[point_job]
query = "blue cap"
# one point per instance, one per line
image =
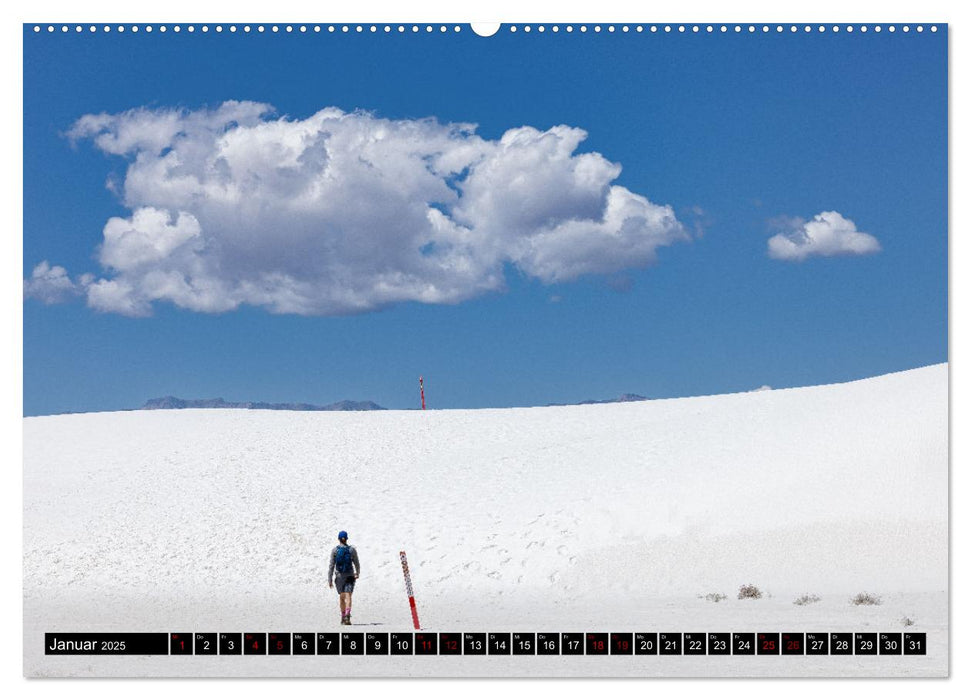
(342, 535)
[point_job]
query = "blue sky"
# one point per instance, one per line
(743, 137)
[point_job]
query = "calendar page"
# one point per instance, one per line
(561, 350)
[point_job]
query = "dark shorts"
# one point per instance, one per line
(344, 584)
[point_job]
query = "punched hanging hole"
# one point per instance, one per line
(485, 28)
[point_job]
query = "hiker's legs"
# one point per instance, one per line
(345, 599)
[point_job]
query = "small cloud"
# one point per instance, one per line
(827, 235)
(51, 284)
(556, 299)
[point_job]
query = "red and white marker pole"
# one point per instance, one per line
(410, 591)
(421, 386)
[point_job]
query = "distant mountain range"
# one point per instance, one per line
(174, 402)
(170, 402)
(623, 398)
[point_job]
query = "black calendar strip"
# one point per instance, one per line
(488, 643)
(107, 644)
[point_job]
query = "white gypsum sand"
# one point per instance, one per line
(617, 517)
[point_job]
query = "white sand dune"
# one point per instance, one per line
(613, 517)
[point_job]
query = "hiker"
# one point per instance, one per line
(345, 568)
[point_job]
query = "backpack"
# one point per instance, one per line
(342, 562)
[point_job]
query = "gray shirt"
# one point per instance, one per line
(355, 563)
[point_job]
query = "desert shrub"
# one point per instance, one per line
(715, 597)
(806, 599)
(865, 599)
(749, 591)
(907, 622)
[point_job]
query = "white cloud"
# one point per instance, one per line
(50, 284)
(828, 234)
(347, 212)
(117, 296)
(146, 239)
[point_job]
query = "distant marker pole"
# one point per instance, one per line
(421, 387)
(409, 590)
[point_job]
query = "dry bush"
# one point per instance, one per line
(715, 597)
(806, 599)
(865, 599)
(749, 591)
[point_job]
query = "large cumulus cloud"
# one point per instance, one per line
(344, 212)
